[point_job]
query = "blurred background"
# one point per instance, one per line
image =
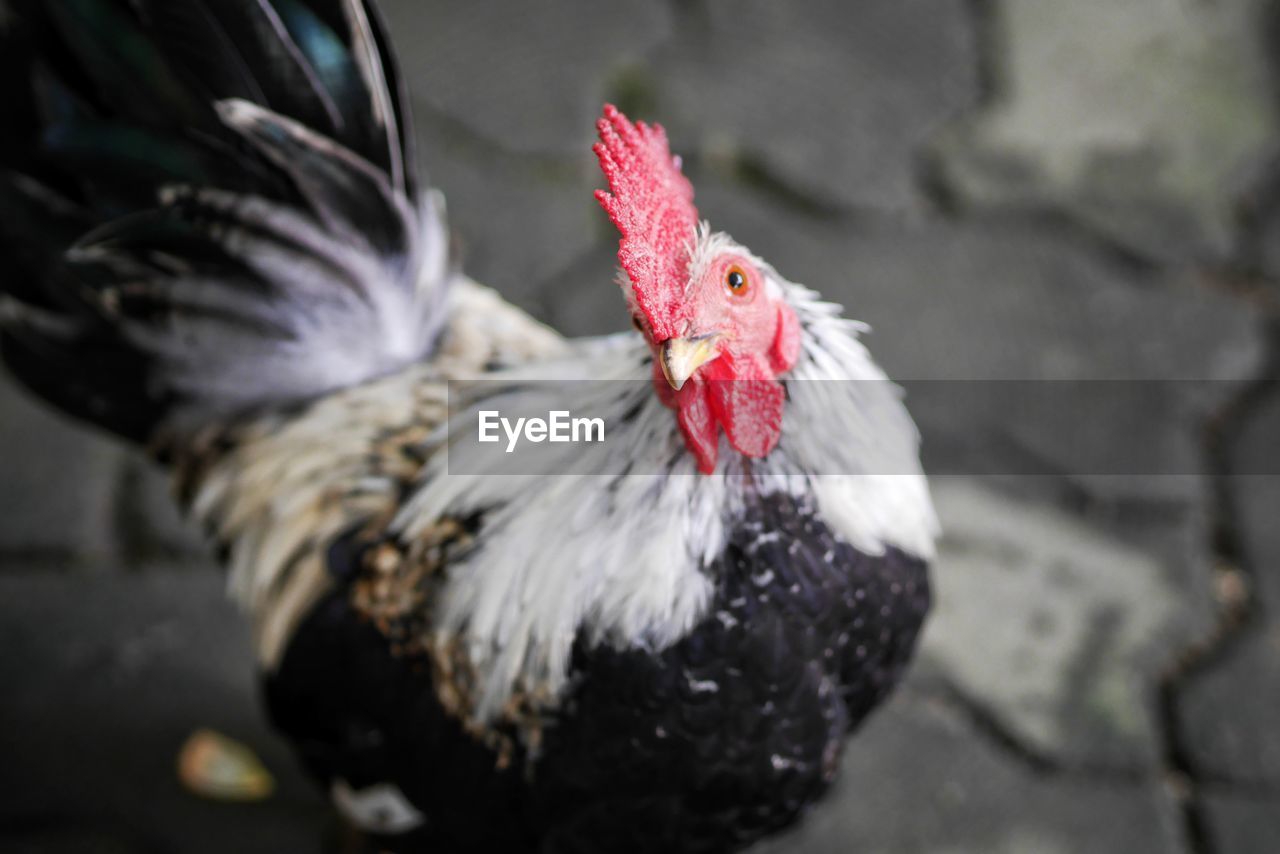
(1005, 190)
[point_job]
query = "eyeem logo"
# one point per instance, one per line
(558, 426)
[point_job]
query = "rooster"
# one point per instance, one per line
(217, 244)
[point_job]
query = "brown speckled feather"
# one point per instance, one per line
(276, 491)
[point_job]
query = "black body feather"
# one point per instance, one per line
(708, 745)
(207, 206)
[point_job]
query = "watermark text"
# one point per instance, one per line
(558, 426)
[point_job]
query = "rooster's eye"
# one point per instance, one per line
(737, 281)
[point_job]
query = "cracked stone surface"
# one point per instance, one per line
(1233, 711)
(838, 109)
(529, 77)
(1054, 628)
(1138, 117)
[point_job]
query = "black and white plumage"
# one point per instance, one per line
(216, 243)
(215, 203)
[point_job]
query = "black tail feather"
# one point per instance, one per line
(38, 225)
(128, 73)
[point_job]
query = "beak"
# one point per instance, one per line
(682, 356)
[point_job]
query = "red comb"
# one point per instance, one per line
(651, 203)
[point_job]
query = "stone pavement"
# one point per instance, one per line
(1003, 189)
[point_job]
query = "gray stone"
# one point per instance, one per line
(918, 779)
(834, 99)
(516, 220)
(1231, 711)
(584, 298)
(1138, 117)
(1056, 630)
(1242, 824)
(57, 478)
(151, 525)
(531, 78)
(104, 679)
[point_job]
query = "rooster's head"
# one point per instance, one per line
(713, 314)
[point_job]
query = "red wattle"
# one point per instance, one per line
(747, 402)
(697, 422)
